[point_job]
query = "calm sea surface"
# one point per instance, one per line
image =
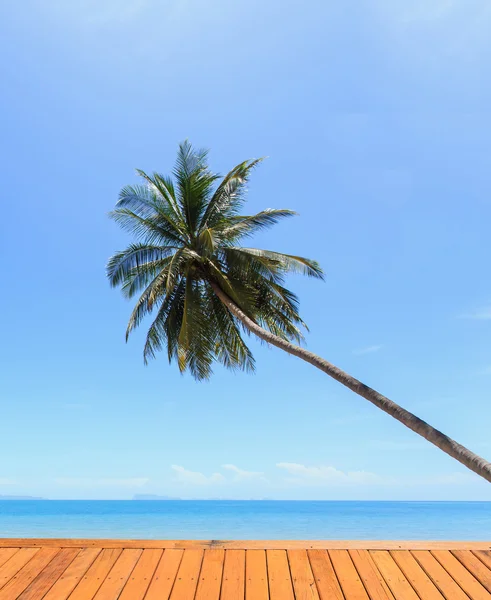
(246, 520)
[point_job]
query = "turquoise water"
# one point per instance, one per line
(246, 520)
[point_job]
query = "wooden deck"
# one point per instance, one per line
(258, 570)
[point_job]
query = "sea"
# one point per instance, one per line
(242, 520)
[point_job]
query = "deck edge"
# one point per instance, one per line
(249, 544)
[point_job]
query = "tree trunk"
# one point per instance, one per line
(451, 447)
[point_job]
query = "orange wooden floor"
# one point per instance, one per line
(262, 570)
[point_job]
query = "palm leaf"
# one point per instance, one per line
(288, 262)
(187, 231)
(229, 196)
(150, 230)
(247, 226)
(230, 349)
(194, 184)
(135, 257)
(148, 201)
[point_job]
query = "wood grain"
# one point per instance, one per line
(165, 575)
(210, 579)
(257, 587)
(45, 580)
(187, 576)
(73, 574)
(233, 578)
(372, 579)
(326, 581)
(177, 570)
(347, 575)
(280, 581)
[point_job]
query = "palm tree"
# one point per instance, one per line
(206, 289)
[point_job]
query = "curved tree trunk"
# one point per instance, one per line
(451, 447)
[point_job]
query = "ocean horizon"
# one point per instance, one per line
(246, 519)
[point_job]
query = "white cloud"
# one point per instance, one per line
(195, 477)
(326, 475)
(330, 477)
(241, 475)
(101, 482)
(482, 314)
(368, 350)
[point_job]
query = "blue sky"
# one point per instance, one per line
(375, 118)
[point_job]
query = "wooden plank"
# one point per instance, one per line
(373, 581)
(163, 580)
(302, 576)
(351, 584)
(256, 587)
(45, 580)
(210, 578)
(483, 556)
(187, 575)
(327, 583)
(461, 575)
(233, 579)
(93, 578)
(394, 577)
(15, 564)
(440, 577)
(118, 575)
(137, 585)
(71, 577)
(6, 554)
(25, 576)
(279, 577)
(413, 572)
(247, 544)
(475, 566)
(68, 573)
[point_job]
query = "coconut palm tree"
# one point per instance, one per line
(206, 289)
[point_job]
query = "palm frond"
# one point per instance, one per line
(181, 262)
(152, 296)
(288, 262)
(196, 341)
(244, 265)
(163, 189)
(150, 230)
(134, 257)
(194, 184)
(207, 242)
(230, 348)
(139, 278)
(237, 227)
(148, 201)
(229, 196)
(238, 290)
(165, 328)
(187, 232)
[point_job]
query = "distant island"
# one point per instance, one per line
(212, 499)
(153, 497)
(21, 498)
